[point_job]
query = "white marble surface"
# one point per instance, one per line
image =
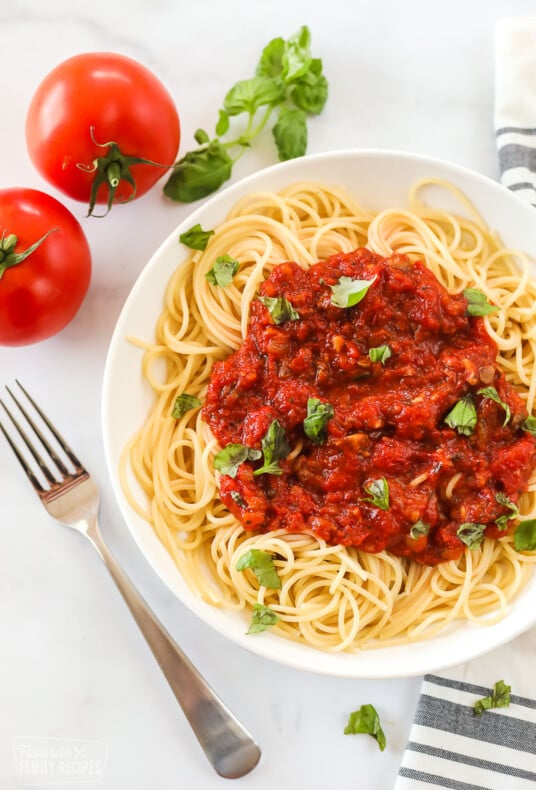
(416, 76)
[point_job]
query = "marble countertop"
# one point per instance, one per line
(416, 76)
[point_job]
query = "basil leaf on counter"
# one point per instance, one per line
(419, 529)
(223, 271)
(310, 92)
(525, 535)
(380, 354)
(492, 394)
(477, 303)
(290, 133)
(462, 416)
(379, 493)
(502, 521)
(296, 58)
(471, 534)
(262, 618)
(366, 720)
(248, 95)
(271, 61)
(279, 308)
(184, 403)
(199, 173)
(348, 292)
(229, 459)
(499, 698)
(318, 415)
(274, 447)
(196, 238)
(262, 565)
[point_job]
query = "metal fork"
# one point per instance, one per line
(72, 498)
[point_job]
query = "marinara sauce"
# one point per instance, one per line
(388, 425)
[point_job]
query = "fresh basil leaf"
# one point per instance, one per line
(223, 271)
(477, 303)
(271, 62)
(279, 308)
(499, 698)
(201, 137)
(530, 425)
(184, 403)
(262, 618)
(248, 95)
(348, 292)
(318, 415)
(229, 459)
(290, 133)
(262, 565)
(296, 59)
(199, 173)
(525, 535)
(366, 720)
(196, 238)
(275, 447)
(237, 499)
(222, 126)
(419, 529)
(380, 353)
(310, 92)
(379, 493)
(462, 416)
(492, 394)
(502, 521)
(471, 534)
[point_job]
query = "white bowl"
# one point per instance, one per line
(377, 179)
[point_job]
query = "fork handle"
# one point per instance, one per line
(228, 745)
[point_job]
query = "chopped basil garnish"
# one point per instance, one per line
(471, 534)
(380, 353)
(462, 416)
(274, 447)
(499, 698)
(262, 565)
(348, 292)
(366, 720)
(318, 414)
(525, 535)
(502, 521)
(492, 394)
(196, 238)
(477, 303)
(223, 271)
(229, 459)
(530, 425)
(237, 499)
(379, 493)
(262, 618)
(279, 308)
(184, 403)
(419, 529)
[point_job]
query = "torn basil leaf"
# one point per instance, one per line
(379, 493)
(279, 308)
(502, 521)
(462, 416)
(492, 394)
(525, 535)
(380, 354)
(274, 448)
(530, 425)
(366, 720)
(318, 415)
(419, 529)
(262, 618)
(184, 403)
(499, 698)
(229, 459)
(348, 292)
(471, 534)
(262, 565)
(196, 238)
(223, 271)
(237, 499)
(477, 303)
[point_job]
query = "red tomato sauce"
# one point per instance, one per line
(389, 418)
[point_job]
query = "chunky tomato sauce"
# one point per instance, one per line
(388, 419)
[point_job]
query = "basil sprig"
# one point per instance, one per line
(318, 416)
(223, 271)
(348, 292)
(287, 77)
(462, 416)
(196, 238)
(184, 403)
(379, 493)
(525, 535)
(477, 303)
(471, 534)
(275, 447)
(492, 394)
(262, 565)
(366, 720)
(279, 308)
(232, 456)
(262, 618)
(499, 698)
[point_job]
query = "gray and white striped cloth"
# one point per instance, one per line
(449, 746)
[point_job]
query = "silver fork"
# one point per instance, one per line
(72, 498)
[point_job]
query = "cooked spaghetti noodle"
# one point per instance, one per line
(332, 598)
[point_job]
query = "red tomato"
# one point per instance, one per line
(42, 293)
(95, 121)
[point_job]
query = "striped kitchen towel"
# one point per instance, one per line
(451, 747)
(515, 104)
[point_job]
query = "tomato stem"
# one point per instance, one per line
(8, 256)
